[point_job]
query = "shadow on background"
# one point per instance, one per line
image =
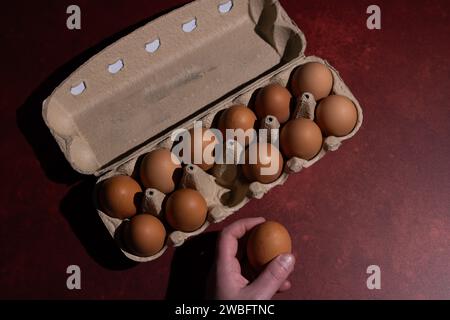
(191, 266)
(29, 115)
(79, 210)
(77, 206)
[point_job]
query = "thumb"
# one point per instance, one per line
(272, 277)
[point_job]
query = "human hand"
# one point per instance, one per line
(228, 280)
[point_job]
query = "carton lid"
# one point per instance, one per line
(165, 72)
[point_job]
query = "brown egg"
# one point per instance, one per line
(313, 77)
(146, 235)
(301, 138)
(267, 241)
(237, 117)
(203, 144)
(186, 210)
(159, 171)
(336, 116)
(118, 196)
(274, 100)
(268, 166)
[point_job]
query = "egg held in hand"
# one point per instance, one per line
(267, 241)
(119, 196)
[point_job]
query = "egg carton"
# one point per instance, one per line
(186, 66)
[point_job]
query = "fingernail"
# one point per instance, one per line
(287, 260)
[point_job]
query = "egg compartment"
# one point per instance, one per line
(212, 184)
(105, 122)
(304, 107)
(152, 203)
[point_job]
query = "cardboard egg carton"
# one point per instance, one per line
(185, 66)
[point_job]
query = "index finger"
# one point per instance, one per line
(228, 239)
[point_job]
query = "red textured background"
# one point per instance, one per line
(383, 198)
